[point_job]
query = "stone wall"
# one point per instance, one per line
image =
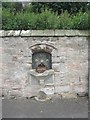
(69, 61)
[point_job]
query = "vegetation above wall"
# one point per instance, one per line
(42, 16)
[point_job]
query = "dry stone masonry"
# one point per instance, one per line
(68, 74)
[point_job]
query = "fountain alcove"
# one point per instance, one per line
(41, 76)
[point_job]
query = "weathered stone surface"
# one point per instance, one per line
(82, 94)
(83, 33)
(25, 33)
(71, 32)
(59, 33)
(79, 88)
(29, 90)
(48, 33)
(62, 89)
(55, 67)
(49, 90)
(61, 79)
(41, 95)
(69, 95)
(1, 33)
(16, 93)
(8, 33)
(52, 33)
(69, 62)
(56, 96)
(37, 33)
(16, 33)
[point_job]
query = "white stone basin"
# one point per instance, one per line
(42, 77)
(46, 73)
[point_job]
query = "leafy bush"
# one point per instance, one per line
(44, 20)
(81, 21)
(71, 7)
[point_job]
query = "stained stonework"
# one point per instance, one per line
(69, 62)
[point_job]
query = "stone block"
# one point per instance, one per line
(55, 67)
(78, 88)
(69, 95)
(8, 33)
(48, 33)
(1, 33)
(61, 80)
(28, 65)
(83, 33)
(55, 59)
(16, 33)
(82, 94)
(71, 33)
(62, 89)
(15, 93)
(49, 90)
(63, 59)
(57, 80)
(25, 33)
(59, 33)
(37, 33)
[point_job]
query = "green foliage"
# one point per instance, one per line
(13, 7)
(59, 7)
(46, 19)
(81, 21)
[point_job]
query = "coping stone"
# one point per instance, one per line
(46, 33)
(25, 33)
(1, 33)
(71, 32)
(16, 33)
(9, 33)
(83, 33)
(49, 32)
(59, 33)
(37, 33)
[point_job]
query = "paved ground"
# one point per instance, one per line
(0, 108)
(28, 108)
(89, 108)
